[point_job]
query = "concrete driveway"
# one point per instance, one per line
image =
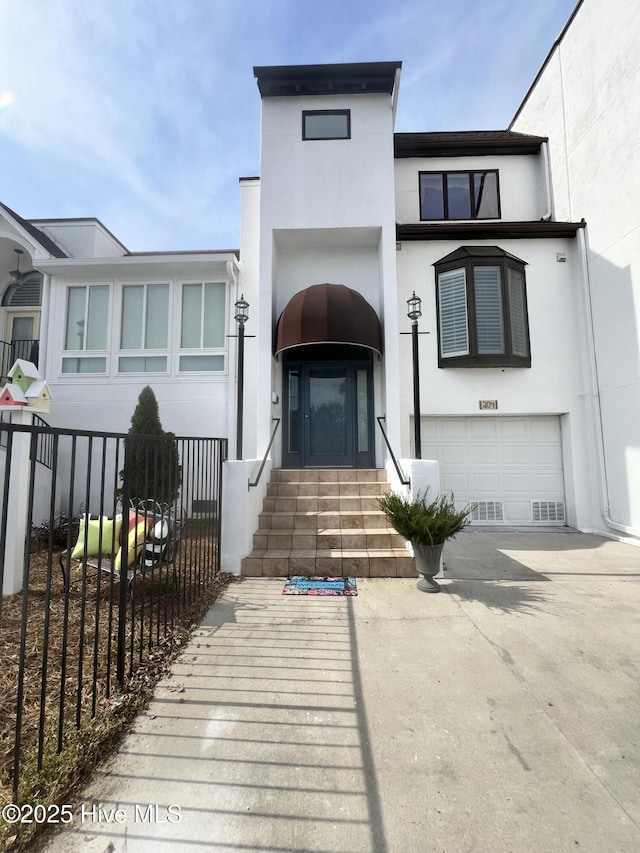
(500, 715)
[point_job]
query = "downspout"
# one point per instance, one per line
(547, 181)
(597, 403)
(43, 336)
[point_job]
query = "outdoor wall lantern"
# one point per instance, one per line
(241, 316)
(414, 312)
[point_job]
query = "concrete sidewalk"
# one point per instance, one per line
(500, 715)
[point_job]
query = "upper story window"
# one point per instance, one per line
(326, 124)
(144, 326)
(482, 309)
(459, 195)
(86, 328)
(203, 326)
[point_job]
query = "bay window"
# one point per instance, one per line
(482, 309)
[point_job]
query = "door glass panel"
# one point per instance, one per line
(362, 411)
(22, 329)
(328, 412)
(294, 408)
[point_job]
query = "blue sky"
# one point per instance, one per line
(145, 113)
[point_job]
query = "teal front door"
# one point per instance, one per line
(328, 414)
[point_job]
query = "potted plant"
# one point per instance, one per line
(427, 525)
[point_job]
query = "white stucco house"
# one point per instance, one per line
(525, 262)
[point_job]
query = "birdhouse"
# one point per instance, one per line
(24, 373)
(38, 395)
(12, 395)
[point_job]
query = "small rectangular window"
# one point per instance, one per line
(326, 124)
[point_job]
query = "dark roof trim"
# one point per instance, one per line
(487, 230)
(45, 241)
(351, 78)
(464, 253)
(546, 62)
(465, 143)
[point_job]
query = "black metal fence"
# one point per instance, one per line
(125, 541)
(28, 350)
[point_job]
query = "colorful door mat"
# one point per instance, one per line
(320, 586)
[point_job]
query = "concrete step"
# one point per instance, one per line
(345, 503)
(320, 520)
(328, 475)
(328, 538)
(350, 563)
(326, 490)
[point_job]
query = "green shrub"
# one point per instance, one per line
(422, 523)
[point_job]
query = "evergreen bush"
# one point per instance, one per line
(155, 470)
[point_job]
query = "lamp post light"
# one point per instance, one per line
(241, 317)
(414, 312)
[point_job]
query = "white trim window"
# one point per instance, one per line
(144, 328)
(86, 329)
(202, 327)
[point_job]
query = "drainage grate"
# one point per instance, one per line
(547, 511)
(487, 511)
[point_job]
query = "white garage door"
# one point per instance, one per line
(509, 468)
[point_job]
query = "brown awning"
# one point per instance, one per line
(328, 313)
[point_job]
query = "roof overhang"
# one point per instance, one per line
(487, 230)
(328, 314)
(465, 143)
(351, 78)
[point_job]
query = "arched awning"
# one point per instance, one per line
(328, 313)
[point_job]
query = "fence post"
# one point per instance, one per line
(18, 503)
(124, 565)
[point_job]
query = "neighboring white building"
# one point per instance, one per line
(586, 99)
(346, 221)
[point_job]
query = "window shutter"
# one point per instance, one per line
(517, 312)
(452, 301)
(489, 314)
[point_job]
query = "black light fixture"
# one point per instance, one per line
(414, 312)
(241, 316)
(414, 308)
(18, 277)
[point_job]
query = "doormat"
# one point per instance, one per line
(319, 586)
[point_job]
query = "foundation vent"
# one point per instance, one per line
(488, 511)
(548, 511)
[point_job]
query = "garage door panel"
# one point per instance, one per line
(510, 460)
(487, 482)
(485, 428)
(545, 429)
(456, 483)
(513, 454)
(512, 429)
(483, 454)
(510, 484)
(545, 454)
(547, 486)
(455, 454)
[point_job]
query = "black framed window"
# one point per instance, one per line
(481, 303)
(326, 124)
(459, 195)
